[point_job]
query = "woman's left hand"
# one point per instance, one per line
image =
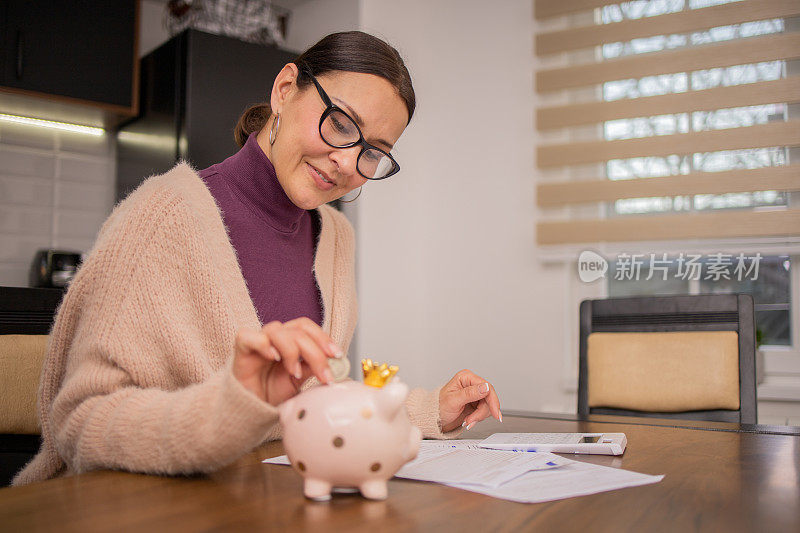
(467, 399)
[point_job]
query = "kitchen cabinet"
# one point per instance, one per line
(76, 51)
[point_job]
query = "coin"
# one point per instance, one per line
(340, 368)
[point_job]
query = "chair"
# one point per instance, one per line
(26, 316)
(685, 357)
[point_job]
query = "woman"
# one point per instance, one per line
(210, 298)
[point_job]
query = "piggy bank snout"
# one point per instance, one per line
(414, 438)
(390, 399)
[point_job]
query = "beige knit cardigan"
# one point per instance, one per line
(138, 369)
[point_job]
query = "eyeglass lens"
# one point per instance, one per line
(340, 131)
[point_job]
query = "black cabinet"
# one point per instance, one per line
(193, 90)
(77, 49)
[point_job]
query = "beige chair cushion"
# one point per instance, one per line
(664, 371)
(21, 359)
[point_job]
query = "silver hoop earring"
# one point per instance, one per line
(354, 199)
(273, 131)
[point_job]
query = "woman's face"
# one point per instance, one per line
(299, 154)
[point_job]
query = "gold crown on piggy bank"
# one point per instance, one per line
(377, 375)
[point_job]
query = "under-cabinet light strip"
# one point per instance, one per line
(66, 126)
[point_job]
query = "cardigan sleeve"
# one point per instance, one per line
(423, 409)
(104, 421)
(146, 336)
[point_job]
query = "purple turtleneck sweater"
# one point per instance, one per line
(275, 240)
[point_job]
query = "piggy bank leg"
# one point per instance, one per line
(374, 489)
(317, 490)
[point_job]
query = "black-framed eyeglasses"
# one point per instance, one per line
(339, 130)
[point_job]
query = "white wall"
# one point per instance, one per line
(448, 273)
(314, 19)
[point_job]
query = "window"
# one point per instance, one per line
(674, 114)
(629, 128)
(670, 126)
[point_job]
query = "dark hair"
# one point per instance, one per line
(349, 51)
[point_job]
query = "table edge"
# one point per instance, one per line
(700, 425)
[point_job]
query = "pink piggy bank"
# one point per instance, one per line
(348, 436)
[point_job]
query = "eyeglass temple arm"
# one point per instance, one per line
(320, 90)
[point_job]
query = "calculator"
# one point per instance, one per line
(591, 443)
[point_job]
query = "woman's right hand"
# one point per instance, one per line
(273, 362)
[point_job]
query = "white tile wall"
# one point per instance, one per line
(56, 189)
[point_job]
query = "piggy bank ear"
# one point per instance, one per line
(285, 409)
(390, 399)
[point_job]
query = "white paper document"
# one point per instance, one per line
(489, 468)
(457, 444)
(574, 479)
(279, 460)
(525, 477)
(466, 463)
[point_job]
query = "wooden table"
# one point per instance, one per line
(719, 477)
